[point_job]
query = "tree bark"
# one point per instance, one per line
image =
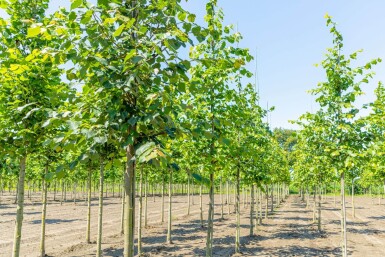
(100, 215)
(169, 241)
(252, 210)
(88, 231)
(20, 206)
(140, 212)
(343, 217)
(210, 220)
(43, 213)
(237, 212)
(129, 211)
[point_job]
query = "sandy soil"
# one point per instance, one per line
(288, 232)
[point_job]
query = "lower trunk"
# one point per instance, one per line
(162, 214)
(140, 213)
(252, 210)
(188, 194)
(122, 216)
(210, 219)
(221, 193)
(267, 202)
(169, 241)
(145, 201)
(43, 214)
(343, 217)
(100, 215)
(314, 203)
(19, 211)
(88, 231)
(353, 207)
(201, 205)
(129, 205)
(228, 197)
(319, 211)
(237, 212)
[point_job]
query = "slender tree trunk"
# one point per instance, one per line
(169, 241)
(100, 215)
(188, 193)
(314, 203)
(210, 220)
(201, 205)
(343, 217)
(20, 206)
(221, 193)
(74, 193)
(228, 197)
(335, 193)
(54, 191)
(145, 200)
(162, 218)
(319, 211)
(252, 210)
(43, 213)
(353, 207)
(129, 211)
(272, 199)
(88, 231)
(140, 213)
(267, 202)
(122, 216)
(237, 212)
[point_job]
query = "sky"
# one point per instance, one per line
(289, 37)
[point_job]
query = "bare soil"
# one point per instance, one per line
(288, 232)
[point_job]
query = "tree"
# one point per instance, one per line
(30, 86)
(342, 137)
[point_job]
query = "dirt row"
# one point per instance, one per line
(288, 232)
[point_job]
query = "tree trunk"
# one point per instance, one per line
(237, 212)
(353, 207)
(319, 211)
(122, 216)
(162, 215)
(210, 219)
(228, 197)
(88, 231)
(20, 206)
(188, 193)
(314, 203)
(43, 213)
(252, 210)
(169, 241)
(140, 213)
(221, 193)
(201, 205)
(129, 211)
(145, 200)
(267, 202)
(343, 217)
(335, 193)
(100, 215)
(272, 199)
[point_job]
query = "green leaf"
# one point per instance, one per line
(119, 30)
(130, 55)
(182, 16)
(33, 32)
(76, 4)
(191, 17)
(202, 180)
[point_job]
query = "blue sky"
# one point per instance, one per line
(291, 36)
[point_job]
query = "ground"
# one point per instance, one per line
(288, 232)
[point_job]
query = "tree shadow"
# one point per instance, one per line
(53, 221)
